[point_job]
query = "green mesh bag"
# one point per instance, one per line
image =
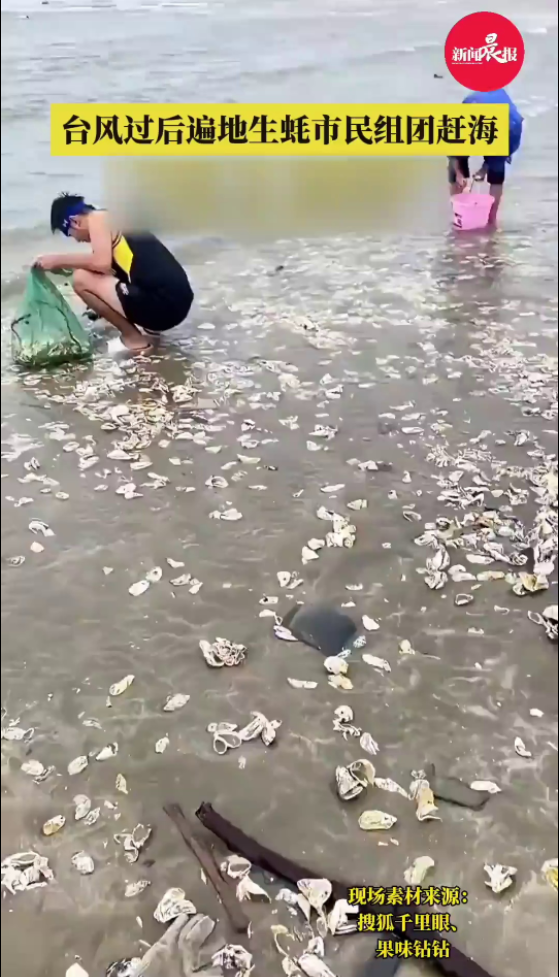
(46, 332)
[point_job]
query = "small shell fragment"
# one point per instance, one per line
(500, 877)
(370, 624)
(175, 701)
(83, 863)
(415, 874)
(462, 600)
(317, 892)
(162, 744)
(486, 785)
(247, 890)
(313, 966)
(369, 744)
(521, 749)
(376, 821)
(53, 825)
(297, 683)
(119, 687)
(154, 575)
(139, 588)
(108, 751)
(78, 765)
(379, 663)
(385, 783)
(340, 682)
(121, 784)
(82, 806)
(136, 888)
(405, 647)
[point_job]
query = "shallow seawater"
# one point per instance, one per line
(408, 348)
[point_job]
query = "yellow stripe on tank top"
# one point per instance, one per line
(123, 255)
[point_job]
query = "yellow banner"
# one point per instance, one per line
(279, 130)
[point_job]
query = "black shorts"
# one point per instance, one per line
(496, 166)
(153, 310)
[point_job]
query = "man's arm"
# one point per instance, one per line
(99, 260)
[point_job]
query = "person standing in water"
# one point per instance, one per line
(132, 280)
(494, 167)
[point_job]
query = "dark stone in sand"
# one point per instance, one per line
(385, 426)
(320, 626)
(454, 791)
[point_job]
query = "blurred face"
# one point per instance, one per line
(79, 228)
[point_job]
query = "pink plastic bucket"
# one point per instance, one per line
(471, 210)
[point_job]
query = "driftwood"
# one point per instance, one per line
(227, 896)
(457, 965)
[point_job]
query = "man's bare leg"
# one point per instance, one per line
(497, 194)
(99, 294)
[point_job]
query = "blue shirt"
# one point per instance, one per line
(501, 97)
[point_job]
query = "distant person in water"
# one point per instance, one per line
(494, 167)
(131, 279)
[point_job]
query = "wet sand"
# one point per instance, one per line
(448, 335)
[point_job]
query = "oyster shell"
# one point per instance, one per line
(376, 821)
(348, 786)
(83, 806)
(174, 903)
(415, 874)
(83, 863)
(136, 888)
(78, 765)
(119, 687)
(175, 701)
(500, 877)
(53, 825)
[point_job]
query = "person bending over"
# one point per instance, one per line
(132, 280)
(493, 169)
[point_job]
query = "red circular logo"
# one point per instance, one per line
(484, 51)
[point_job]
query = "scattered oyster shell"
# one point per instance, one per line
(370, 624)
(348, 786)
(421, 793)
(25, 870)
(550, 872)
(78, 765)
(385, 783)
(486, 785)
(297, 683)
(379, 663)
(415, 874)
(222, 653)
(521, 749)
(500, 877)
(162, 744)
(121, 784)
(92, 817)
(340, 682)
(462, 600)
(38, 526)
(108, 751)
(53, 825)
(336, 665)
(174, 903)
(376, 821)
(119, 687)
(317, 892)
(154, 575)
(34, 768)
(124, 968)
(232, 957)
(83, 863)
(82, 806)
(175, 701)
(136, 888)
(369, 744)
(235, 866)
(247, 890)
(405, 647)
(139, 588)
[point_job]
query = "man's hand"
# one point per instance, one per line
(481, 174)
(47, 262)
(461, 180)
